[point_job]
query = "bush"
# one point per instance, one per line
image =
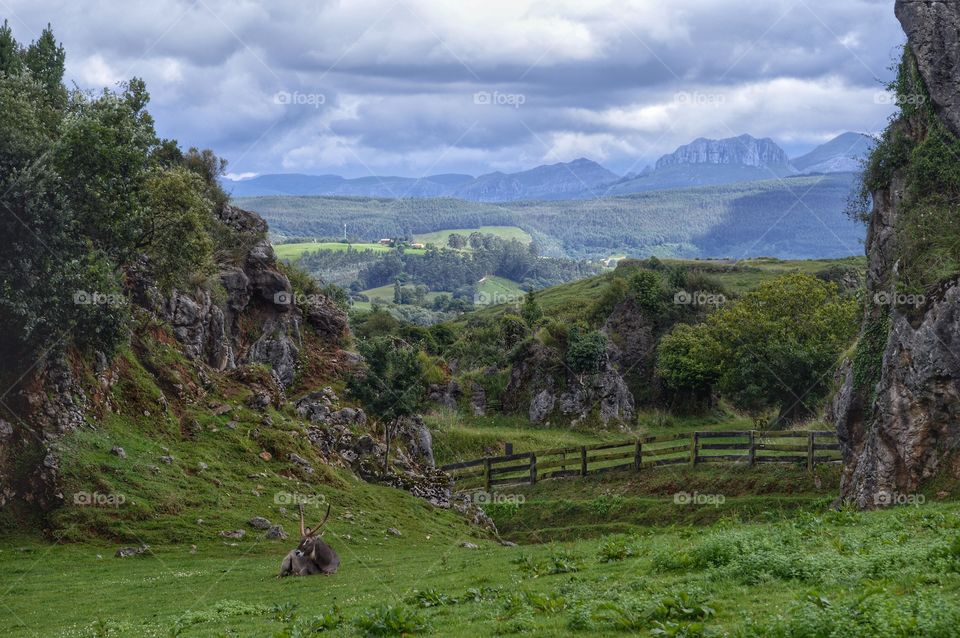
(586, 351)
(769, 349)
(615, 549)
(389, 620)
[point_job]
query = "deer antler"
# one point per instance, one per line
(316, 529)
(303, 531)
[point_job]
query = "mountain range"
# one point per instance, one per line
(702, 162)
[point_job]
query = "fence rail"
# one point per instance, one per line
(748, 447)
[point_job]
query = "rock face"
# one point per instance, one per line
(916, 411)
(933, 32)
(258, 321)
(904, 429)
(56, 403)
(214, 332)
(543, 387)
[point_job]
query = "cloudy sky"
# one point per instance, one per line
(415, 87)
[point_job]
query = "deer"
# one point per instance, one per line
(312, 555)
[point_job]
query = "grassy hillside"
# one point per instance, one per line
(795, 217)
(492, 290)
(573, 300)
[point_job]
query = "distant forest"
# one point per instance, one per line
(790, 218)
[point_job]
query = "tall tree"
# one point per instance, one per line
(393, 386)
(45, 60)
(11, 55)
(531, 311)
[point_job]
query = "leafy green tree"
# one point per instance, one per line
(686, 362)
(397, 293)
(174, 229)
(456, 241)
(512, 329)
(476, 240)
(103, 156)
(87, 190)
(531, 310)
(45, 59)
(393, 385)
(774, 348)
(648, 290)
(586, 351)
(210, 168)
(11, 54)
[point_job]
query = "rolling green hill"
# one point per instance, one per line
(571, 301)
(789, 218)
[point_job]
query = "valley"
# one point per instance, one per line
(790, 218)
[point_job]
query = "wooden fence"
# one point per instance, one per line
(691, 448)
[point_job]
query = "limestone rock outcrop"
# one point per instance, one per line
(904, 429)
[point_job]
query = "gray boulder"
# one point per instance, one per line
(259, 522)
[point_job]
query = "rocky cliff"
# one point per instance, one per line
(744, 150)
(898, 396)
(253, 317)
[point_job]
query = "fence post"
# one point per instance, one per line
(533, 468)
(583, 460)
(810, 458)
(753, 447)
(508, 448)
(694, 441)
(637, 455)
(486, 474)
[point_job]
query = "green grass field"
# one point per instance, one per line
(462, 438)
(296, 250)
(493, 290)
(440, 237)
(787, 572)
(384, 294)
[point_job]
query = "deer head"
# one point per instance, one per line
(309, 541)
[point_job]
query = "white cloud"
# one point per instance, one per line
(620, 81)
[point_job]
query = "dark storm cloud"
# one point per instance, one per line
(392, 86)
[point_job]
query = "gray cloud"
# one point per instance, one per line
(389, 86)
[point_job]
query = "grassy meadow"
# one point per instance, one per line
(440, 237)
(756, 566)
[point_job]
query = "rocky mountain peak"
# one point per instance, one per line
(744, 150)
